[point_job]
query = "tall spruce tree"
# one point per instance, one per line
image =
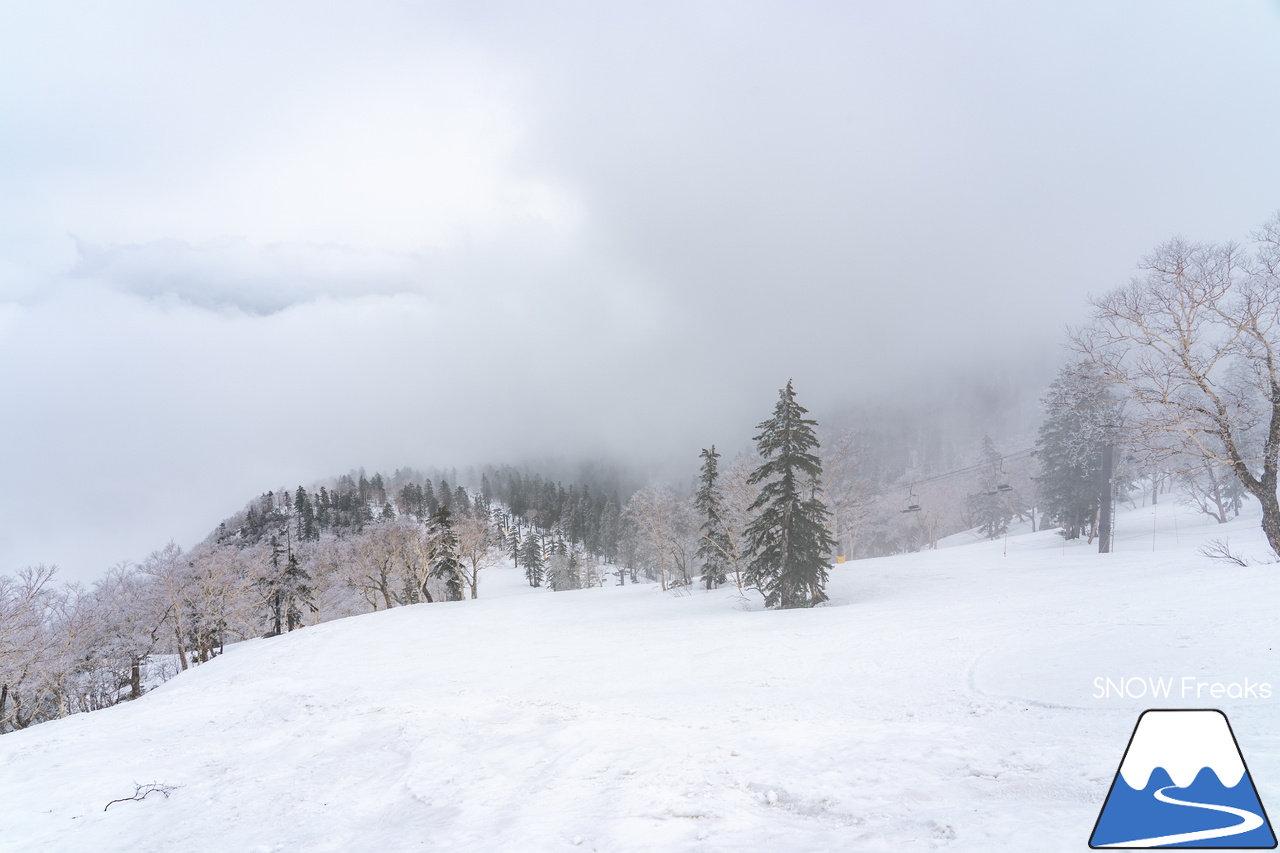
(1080, 414)
(713, 543)
(305, 515)
(531, 554)
(285, 591)
(297, 592)
(989, 507)
(788, 542)
(445, 565)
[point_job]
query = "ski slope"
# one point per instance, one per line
(942, 701)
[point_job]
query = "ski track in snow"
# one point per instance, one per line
(942, 701)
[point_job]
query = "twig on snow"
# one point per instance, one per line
(140, 792)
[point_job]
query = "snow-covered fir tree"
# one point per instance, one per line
(286, 587)
(445, 565)
(531, 556)
(788, 542)
(1080, 417)
(305, 517)
(713, 543)
(988, 507)
(564, 571)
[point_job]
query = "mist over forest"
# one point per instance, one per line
(245, 246)
(638, 426)
(307, 313)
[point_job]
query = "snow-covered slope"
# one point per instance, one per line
(944, 700)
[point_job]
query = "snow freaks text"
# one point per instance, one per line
(1175, 687)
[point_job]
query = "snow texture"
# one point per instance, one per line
(940, 701)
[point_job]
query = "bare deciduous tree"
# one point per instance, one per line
(665, 534)
(171, 574)
(477, 546)
(739, 494)
(847, 494)
(1209, 487)
(369, 564)
(1193, 343)
(24, 602)
(221, 598)
(130, 618)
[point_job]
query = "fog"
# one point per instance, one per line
(244, 247)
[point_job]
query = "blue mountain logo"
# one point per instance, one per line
(1183, 783)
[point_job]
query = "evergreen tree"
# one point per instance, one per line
(531, 554)
(513, 542)
(445, 565)
(564, 571)
(713, 544)
(409, 500)
(297, 592)
(517, 499)
(989, 506)
(273, 596)
(1080, 413)
(286, 591)
(323, 508)
(788, 542)
(305, 516)
(610, 530)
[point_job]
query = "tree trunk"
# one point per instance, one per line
(1104, 501)
(18, 721)
(135, 678)
(1270, 519)
(384, 586)
(182, 647)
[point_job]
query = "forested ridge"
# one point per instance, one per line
(361, 542)
(1173, 385)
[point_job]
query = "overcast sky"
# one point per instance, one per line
(248, 244)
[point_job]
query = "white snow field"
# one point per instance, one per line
(943, 700)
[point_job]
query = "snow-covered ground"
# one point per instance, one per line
(944, 700)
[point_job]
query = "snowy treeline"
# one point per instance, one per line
(1175, 380)
(359, 544)
(288, 560)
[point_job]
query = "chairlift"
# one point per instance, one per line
(912, 497)
(1002, 486)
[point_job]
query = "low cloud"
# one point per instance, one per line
(235, 274)
(311, 237)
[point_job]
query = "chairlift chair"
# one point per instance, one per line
(1003, 486)
(912, 497)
